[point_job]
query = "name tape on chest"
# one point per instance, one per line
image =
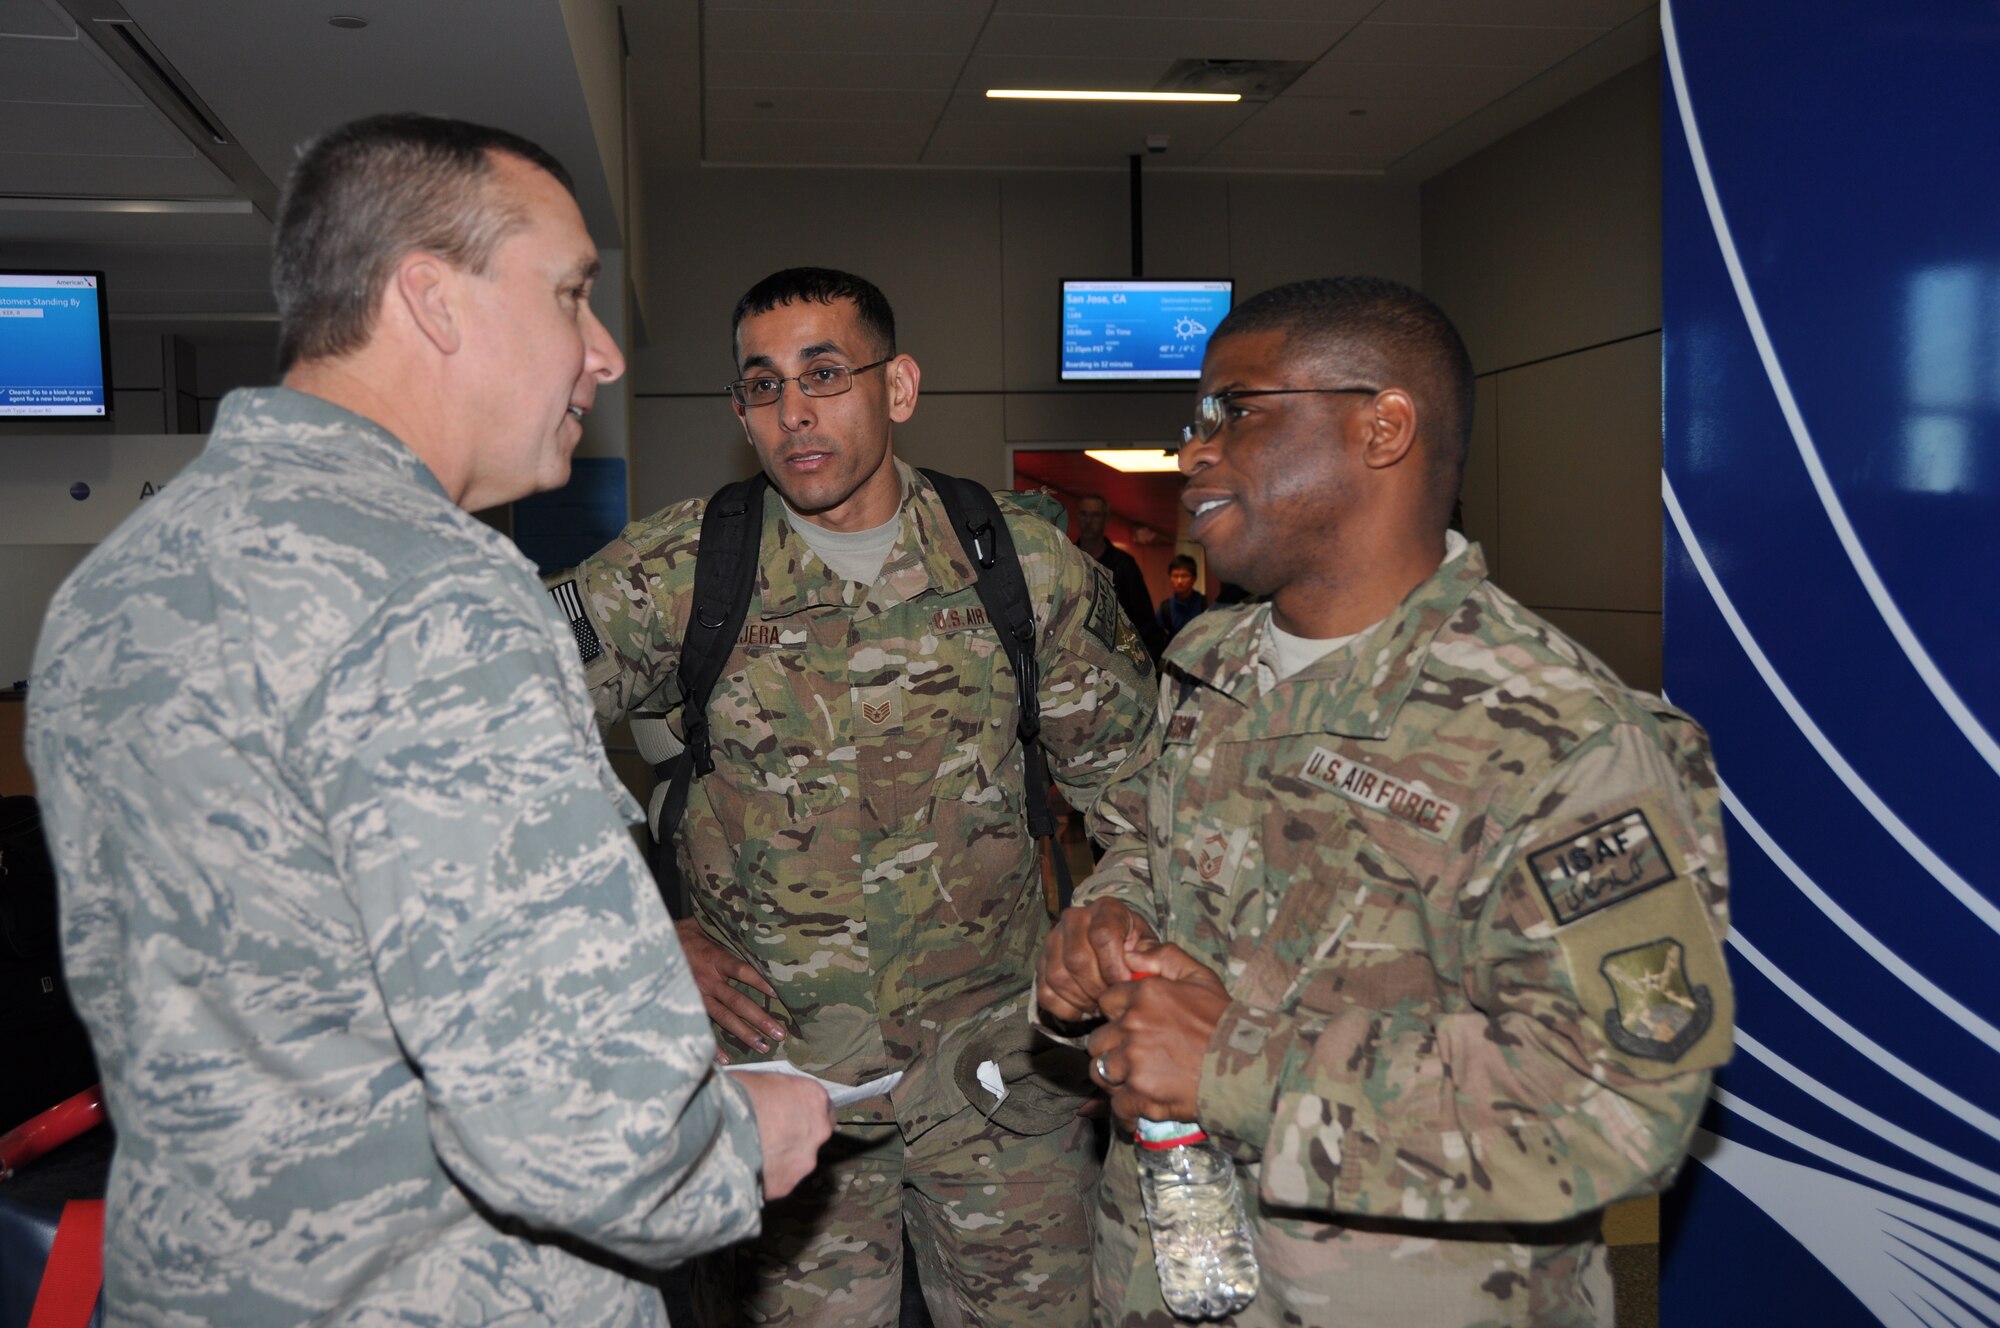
(1381, 792)
(1605, 863)
(768, 635)
(960, 619)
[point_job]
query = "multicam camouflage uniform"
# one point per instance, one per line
(1467, 892)
(385, 1000)
(863, 842)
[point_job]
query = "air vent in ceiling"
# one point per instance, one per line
(1255, 80)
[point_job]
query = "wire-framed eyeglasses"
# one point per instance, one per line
(828, 380)
(1213, 415)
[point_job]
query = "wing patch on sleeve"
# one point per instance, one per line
(569, 603)
(1657, 1011)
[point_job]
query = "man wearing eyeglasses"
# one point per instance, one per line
(1430, 905)
(866, 896)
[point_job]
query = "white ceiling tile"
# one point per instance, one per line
(1387, 131)
(815, 32)
(112, 177)
(59, 71)
(792, 103)
(1373, 43)
(1063, 71)
(1480, 83)
(859, 71)
(1600, 14)
(817, 142)
(34, 18)
(90, 131)
(1325, 112)
(1161, 38)
(1204, 120)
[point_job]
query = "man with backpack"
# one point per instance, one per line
(900, 659)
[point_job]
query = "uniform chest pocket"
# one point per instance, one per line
(774, 734)
(1384, 942)
(935, 725)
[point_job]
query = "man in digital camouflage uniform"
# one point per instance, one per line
(1434, 903)
(391, 1020)
(866, 895)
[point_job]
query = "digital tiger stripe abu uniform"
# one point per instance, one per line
(393, 1027)
(1447, 896)
(861, 843)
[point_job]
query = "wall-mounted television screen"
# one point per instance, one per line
(55, 344)
(1134, 328)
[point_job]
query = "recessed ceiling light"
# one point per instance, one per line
(1134, 460)
(1083, 94)
(348, 21)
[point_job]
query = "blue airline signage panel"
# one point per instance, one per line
(1832, 462)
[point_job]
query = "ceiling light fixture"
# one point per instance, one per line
(347, 21)
(1135, 460)
(1081, 94)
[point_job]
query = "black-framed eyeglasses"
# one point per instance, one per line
(1213, 415)
(829, 380)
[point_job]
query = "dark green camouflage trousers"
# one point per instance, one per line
(1000, 1224)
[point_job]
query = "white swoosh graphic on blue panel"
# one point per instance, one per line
(1961, 890)
(1913, 649)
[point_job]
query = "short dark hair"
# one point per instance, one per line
(1183, 562)
(362, 196)
(822, 285)
(1378, 326)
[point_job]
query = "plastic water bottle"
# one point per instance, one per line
(1201, 1240)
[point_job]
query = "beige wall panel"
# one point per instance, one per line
(1579, 487)
(959, 435)
(1549, 240)
(931, 242)
(1628, 642)
(1056, 225)
(1187, 222)
(1479, 494)
(1287, 227)
(1096, 416)
(684, 447)
(34, 571)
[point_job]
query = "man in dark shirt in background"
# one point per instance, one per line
(1126, 578)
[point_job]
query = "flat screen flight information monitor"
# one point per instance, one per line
(55, 345)
(1134, 328)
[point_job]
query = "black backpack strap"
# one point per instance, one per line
(725, 576)
(1003, 590)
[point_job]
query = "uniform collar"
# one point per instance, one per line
(925, 557)
(1355, 692)
(268, 416)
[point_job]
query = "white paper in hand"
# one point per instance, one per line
(841, 1095)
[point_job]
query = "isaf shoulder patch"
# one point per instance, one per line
(569, 603)
(1610, 861)
(1656, 1012)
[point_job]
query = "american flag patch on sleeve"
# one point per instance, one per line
(569, 603)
